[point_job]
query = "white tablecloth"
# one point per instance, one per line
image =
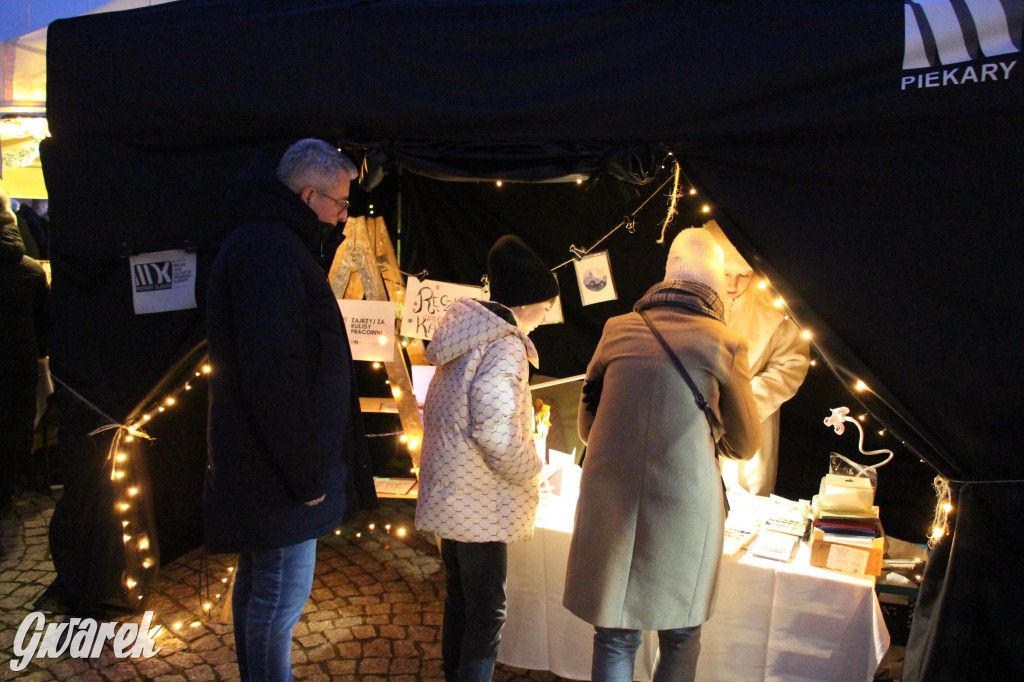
(772, 621)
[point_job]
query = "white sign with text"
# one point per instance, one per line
(163, 281)
(371, 328)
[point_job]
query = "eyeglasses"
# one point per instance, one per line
(342, 204)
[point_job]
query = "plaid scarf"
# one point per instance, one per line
(694, 297)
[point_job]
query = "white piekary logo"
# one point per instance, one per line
(82, 638)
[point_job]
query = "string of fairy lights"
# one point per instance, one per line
(133, 504)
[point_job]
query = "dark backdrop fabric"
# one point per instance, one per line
(886, 207)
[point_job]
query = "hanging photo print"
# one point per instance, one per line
(426, 303)
(163, 281)
(594, 274)
(371, 328)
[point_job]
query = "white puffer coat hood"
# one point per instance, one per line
(479, 467)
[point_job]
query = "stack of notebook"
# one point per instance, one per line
(848, 526)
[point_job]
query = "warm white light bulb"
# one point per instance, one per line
(382, 339)
(860, 386)
(947, 507)
(498, 183)
(170, 400)
(806, 334)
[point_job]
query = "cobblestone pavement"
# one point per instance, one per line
(374, 614)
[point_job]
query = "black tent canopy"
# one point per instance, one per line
(868, 156)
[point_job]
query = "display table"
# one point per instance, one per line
(773, 621)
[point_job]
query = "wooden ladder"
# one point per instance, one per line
(365, 266)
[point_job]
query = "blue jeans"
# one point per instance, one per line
(474, 608)
(271, 589)
(615, 654)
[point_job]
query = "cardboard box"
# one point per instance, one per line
(847, 558)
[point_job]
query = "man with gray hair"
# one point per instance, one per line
(287, 456)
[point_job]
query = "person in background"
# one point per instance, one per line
(479, 468)
(648, 534)
(24, 343)
(34, 214)
(31, 248)
(779, 360)
(287, 459)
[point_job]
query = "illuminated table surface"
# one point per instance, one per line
(773, 621)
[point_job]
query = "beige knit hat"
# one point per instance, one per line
(695, 256)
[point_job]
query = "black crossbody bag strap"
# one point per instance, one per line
(713, 422)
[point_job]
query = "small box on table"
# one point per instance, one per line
(858, 558)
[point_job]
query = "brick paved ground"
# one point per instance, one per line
(375, 612)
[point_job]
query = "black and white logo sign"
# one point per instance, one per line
(958, 42)
(163, 281)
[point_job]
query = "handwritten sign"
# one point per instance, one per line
(163, 281)
(371, 329)
(426, 303)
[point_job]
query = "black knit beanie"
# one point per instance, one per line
(517, 275)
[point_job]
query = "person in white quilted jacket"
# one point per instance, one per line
(479, 469)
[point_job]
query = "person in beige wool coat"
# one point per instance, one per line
(648, 534)
(479, 468)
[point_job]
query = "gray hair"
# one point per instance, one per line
(313, 163)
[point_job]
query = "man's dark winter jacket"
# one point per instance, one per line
(285, 425)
